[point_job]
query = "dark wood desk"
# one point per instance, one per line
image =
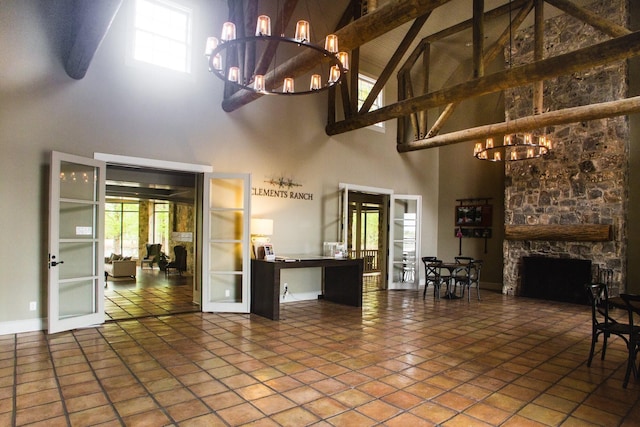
(341, 282)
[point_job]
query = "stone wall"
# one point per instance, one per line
(584, 179)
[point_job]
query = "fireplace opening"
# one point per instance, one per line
(556, 279)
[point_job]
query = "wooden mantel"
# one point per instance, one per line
(560, 232)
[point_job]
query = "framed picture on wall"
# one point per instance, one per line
(474, 215)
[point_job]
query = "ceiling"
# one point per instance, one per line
(135, 183)
(456, 48)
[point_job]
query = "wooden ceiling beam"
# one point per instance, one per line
(611, 50)
(355, 34)
(92, 20)
(602, 110)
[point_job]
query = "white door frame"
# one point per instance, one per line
(116, 159)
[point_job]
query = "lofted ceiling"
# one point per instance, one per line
(80, 25)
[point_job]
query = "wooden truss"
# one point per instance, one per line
(92, 20)
(411, 108)
(414, 100)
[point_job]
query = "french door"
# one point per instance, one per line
(226, 255)
(76, 233)
(404, 257)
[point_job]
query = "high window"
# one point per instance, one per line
(121, 229)
(162, 34)
(365, 85)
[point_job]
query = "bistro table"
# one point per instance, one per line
(618, 302)
(451, 267)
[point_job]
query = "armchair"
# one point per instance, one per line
(153, 255)
(179, 262)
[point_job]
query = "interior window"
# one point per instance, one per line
(162, 34)
(365, 84)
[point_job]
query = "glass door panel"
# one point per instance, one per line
(227, 251)
(405, 249)
(76, 274)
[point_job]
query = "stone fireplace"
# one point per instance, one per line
(584, 179)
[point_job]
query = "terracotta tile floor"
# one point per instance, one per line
(398, 361)
(150, 293)
(123, 304)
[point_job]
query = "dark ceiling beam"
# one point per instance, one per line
(353, 35)
(92, 20)
(609, 51)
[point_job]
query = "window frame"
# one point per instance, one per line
(175, 6)
(123, 215)
(378, 103)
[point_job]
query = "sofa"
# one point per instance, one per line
(115, 266)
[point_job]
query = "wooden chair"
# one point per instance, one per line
(633, 308)
(432, 275)
(602, 324)
(471, 278)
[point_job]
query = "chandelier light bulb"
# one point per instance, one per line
(288, 86)
(316, 82)
(331, 43)
(234, 74)
(228, 31)
(489, 143)
(258, 83)
(211, 45)
(217, 62)
(514, 155)
(263, 27)
(302, 31)
(343, 57)
(334, 74)
(497, 156)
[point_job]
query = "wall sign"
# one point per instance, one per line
(281, 188)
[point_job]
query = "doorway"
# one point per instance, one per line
(366, 237)
(148, 207)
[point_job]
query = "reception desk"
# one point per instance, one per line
(341, 282)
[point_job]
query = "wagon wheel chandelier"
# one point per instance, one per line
(227, 60)
(518, 146)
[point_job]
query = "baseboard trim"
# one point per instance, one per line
(20, 326)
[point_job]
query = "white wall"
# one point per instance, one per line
(131, 111)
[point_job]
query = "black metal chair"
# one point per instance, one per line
(633, 308)
(179, 262)
(460, 274)
(432, 275)
(601, 322)
(470, 278)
